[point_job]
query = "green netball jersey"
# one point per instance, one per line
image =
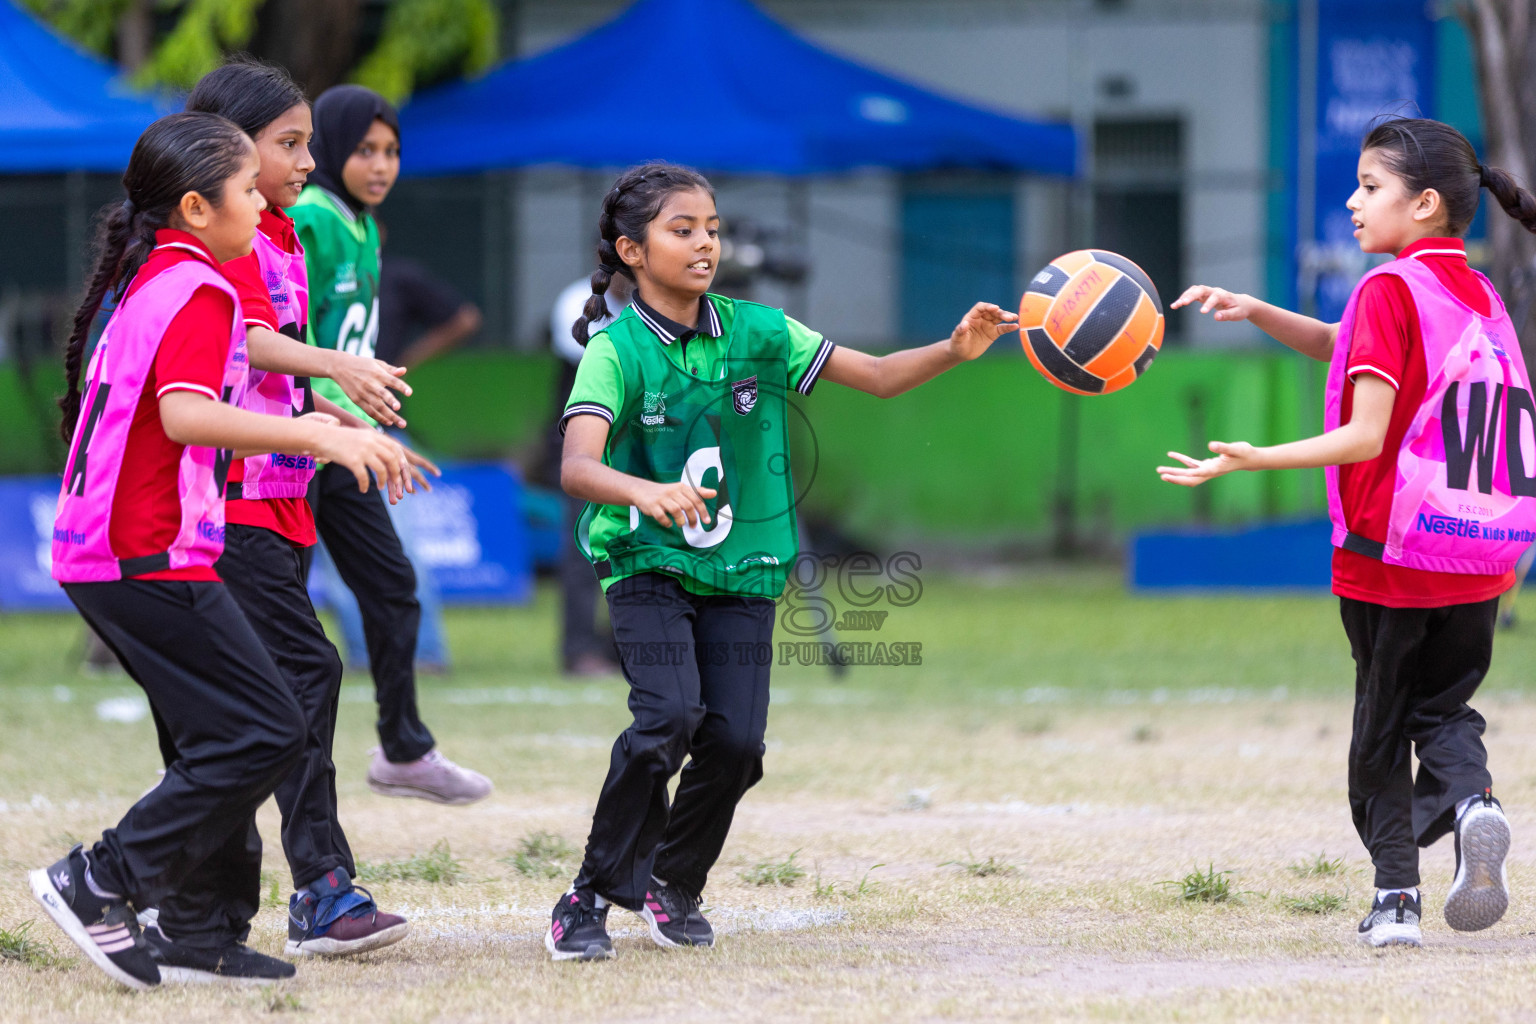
(709, 406)
(341, 256)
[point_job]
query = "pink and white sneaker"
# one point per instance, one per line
(432, 777)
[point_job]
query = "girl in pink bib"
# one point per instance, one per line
(139, 530)
(1431, 466)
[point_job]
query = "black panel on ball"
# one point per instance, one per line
(1131, 271)
(1048, 281)
(1105, 321)
(1059, 366)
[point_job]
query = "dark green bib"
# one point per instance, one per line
(730, 434)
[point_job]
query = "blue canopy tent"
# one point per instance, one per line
(61, 109)
(767, 102)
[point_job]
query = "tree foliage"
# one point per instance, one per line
(423, 41)
(1503, 36)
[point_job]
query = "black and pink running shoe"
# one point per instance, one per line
(102, 924)
(578, 928)
(674, 918)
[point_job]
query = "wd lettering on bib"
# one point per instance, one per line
(1464, 495)
(1473, 439)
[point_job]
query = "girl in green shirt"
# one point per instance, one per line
(676, 436)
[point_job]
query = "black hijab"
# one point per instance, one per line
(343, 114)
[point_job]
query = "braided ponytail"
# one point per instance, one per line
(114, 235)
(181, 153)
(1516, 201)
(628, 209)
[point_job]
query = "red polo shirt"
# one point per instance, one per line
(1386, 343)
(290, 518)
(146, 509)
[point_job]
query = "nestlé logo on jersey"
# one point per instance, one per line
(653, 409)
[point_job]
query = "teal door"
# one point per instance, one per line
(956, 250)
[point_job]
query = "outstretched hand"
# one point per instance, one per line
(979, 328)
(1228, 306)
(1194, 472)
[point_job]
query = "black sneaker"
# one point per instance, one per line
(235, 963)
(578, 929)
(1393, 921)
(674, 918)
(103, 925)
(1480, 889)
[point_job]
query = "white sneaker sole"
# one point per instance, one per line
(1479, 895)
(1393, 935)
(53, 902)
(193, 976)
(417, 793)
(592, 952)
(323, 946)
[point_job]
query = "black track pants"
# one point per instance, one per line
(1415, 670)
(357, 531)
(264, 573)
(235, 731)
(696, 689)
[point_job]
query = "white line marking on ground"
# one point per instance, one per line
(122, 709)
(453, 922)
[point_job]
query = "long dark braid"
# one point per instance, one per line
(181, 153)
(1516, 201)
(628, 209)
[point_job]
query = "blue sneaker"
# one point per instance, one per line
(333, 917)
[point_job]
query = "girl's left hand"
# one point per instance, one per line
(1194, 472)
(979, 328)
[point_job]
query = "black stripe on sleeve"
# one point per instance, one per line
(585, 409)
(808, 378)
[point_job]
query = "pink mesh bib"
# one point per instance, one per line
(82, 549)
(1466, 473)
(277, 475)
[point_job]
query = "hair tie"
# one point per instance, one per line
(612, 271)
(129, 207)
(1482, 177)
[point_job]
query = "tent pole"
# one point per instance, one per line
(800, 220)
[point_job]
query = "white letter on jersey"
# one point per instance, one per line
(698, 464)
(359, 330)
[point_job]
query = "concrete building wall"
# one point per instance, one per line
(1204, 63)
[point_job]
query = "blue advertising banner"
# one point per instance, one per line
(27, 506)
(468, 532)
(1369, 59)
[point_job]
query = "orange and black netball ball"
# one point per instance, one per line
(1091, 322)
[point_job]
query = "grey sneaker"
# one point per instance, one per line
(1393, 921)
(432, 777)
(1480, 890)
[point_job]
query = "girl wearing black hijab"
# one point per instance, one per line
(357, 159)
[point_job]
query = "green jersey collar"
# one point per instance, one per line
(668, 330)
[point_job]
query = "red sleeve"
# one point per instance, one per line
(196, 346)
(1383, 331)
(255, 301)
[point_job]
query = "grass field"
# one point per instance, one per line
(990, 835)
